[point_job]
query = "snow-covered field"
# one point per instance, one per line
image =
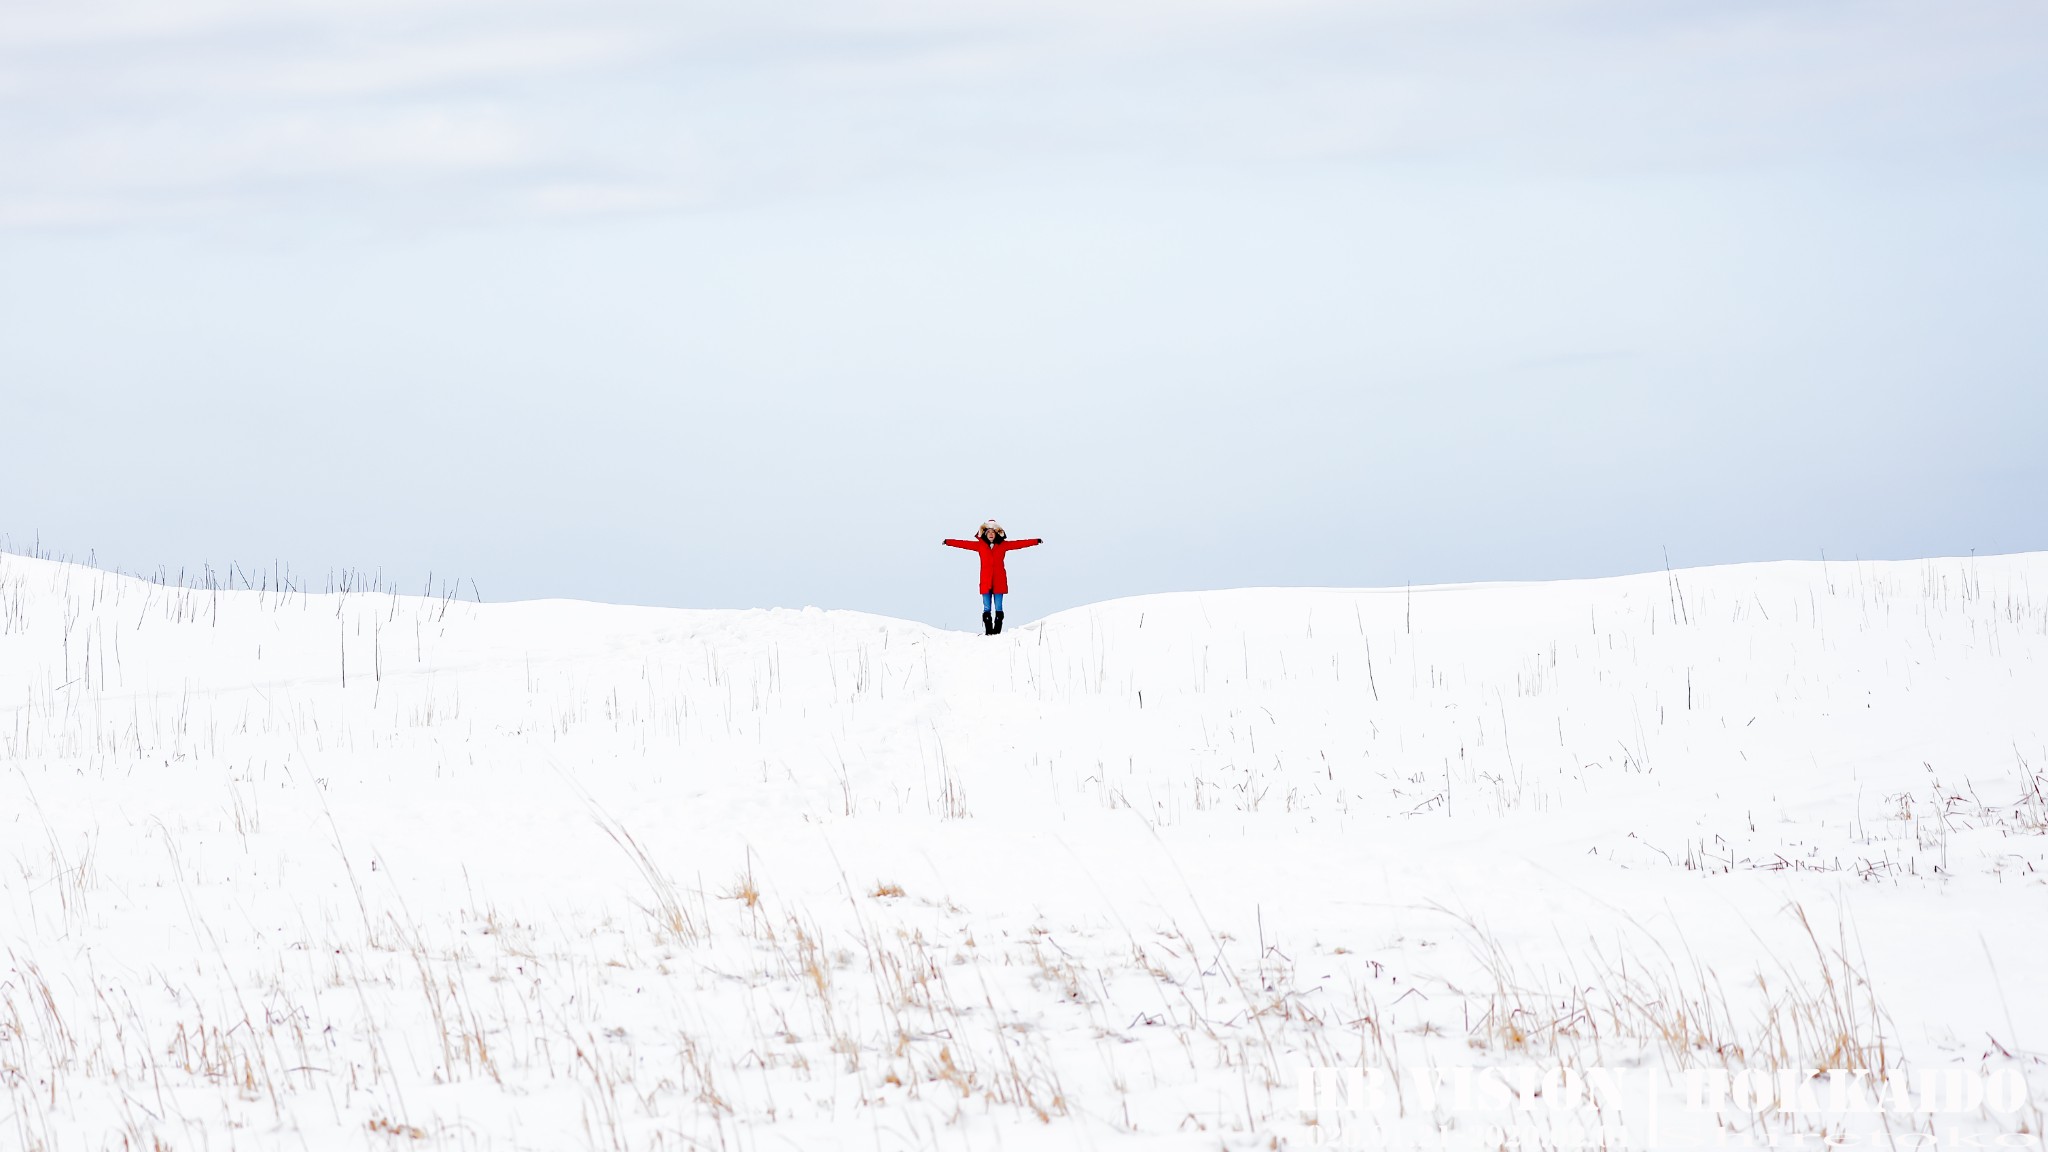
(291, 870)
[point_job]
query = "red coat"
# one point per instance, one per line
(993, 578)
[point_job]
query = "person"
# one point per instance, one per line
(990, 543)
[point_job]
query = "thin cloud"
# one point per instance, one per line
(463, 107)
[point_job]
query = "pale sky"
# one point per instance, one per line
(750, 305)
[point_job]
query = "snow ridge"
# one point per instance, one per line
(338, 870)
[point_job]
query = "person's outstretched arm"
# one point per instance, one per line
(1012, 544)
(967, 544)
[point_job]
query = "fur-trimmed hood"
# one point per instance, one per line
(986, 525)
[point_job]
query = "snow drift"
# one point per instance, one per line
(363, 869)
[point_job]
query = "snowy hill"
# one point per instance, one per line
(281, 869)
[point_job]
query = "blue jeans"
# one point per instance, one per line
(991, 601)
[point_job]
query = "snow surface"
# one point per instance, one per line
(564, 875)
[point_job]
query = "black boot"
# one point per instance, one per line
(999, 624)
(988, 625)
